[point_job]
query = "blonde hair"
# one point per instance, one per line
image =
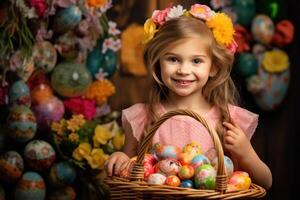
(219, 91)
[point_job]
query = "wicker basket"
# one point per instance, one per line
(136, 188)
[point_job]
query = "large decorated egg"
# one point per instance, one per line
(41, 93)
(157, 179)
(205, 177)
(11, 166)
(19, 94)
(66, 45)
(239, 180)
(44, 55)
(39, 155)
(192, 148)
(245, 10)
(26, 69)
(173, 181)
(62, 174)
(246, 64)
(227, 163)
(66, 19)
(66, 193)
(30, 186)
(186, 172)
(48, 111)
(262, 28)
(199, 160)
(70, 79)
(166, 151)
(22, 123)
(169, 166)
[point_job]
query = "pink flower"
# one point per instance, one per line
(79, 105)
(40, 6)
(201, 11)
(232, 47)
(159, 16)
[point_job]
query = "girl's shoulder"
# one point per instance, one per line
(245, 119)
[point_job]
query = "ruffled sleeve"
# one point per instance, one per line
(134, 119)
(245, 119)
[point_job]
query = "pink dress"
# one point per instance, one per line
(181, 130)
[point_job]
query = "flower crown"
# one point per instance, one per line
(219, 23)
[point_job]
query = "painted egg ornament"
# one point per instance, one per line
(109, 63)
(186, 172)
(49, 111)
(262, 28)
(19, 94)
(30, 186)
(44, 56)
(11, 166)
(205, 177)
(186, 184)
(26, 69)
(168, 151)
(199, 160)
(192, 148)
(67, 46)
(246, 64)
(39, 155)
(62, 174)
(186, 158)
(41, 93)
(168, 166)
(211, 154)
(157, 179)
(239, 180)
(22, 123)
(227, 163)
(66, 193)
(66, 19)
(70, 79)
(245, 10)
(173, 181)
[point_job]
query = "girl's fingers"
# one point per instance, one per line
(229, 140)
(231, 127)
(110, 165)
(231, 134)
(118, 166)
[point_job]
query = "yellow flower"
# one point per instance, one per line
(82, 151)
(101, 136)
(73, 137)
(97, 159)
(75, 123)
(100, 90)
(118, 140)
(96, 3)
(275, 61)
(59, 127)
(222, 28)
(149, 30)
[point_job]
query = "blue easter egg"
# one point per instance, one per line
(30, 186)
(187, 184)
(227, 163)
(199, 160)
(66, 19)
(19, 94)
(246, 64)
(22, 123)
(62, 174)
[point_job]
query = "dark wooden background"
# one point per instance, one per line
(276, 137)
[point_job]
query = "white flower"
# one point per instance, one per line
(107, 6)
(111, 43)
(175, 12)
(112, 30)
(101, 74)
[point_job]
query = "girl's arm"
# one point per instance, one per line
(241, 149)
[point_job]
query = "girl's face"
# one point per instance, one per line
(186, 66)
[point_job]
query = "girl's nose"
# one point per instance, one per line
(183, 69)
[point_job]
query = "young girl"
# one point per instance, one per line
(190, 56)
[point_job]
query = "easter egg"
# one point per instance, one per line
(186, 184)
(157, 179)
(205, 177)
(62, 174)
(19, 94)
(239, 180)
(211, 154)
(186, 172)
(246, 64)
(168, 166)
(70, 79)
(30, 186)
(41, 93)
(186, 158)
(199, 160)
(167, 151)
(11, 166)
(172, 181)
(48, 111)
(66, 193)
(192, 148)
(44, 55)
(262, 28)
(227, 163)
(39, 155)
(245, 10)
(67, 45)
(66, 19)
(22, 123)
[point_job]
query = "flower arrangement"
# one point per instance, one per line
(87, 143)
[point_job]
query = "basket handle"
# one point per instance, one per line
(137, 173)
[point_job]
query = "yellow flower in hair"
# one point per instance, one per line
(150, 30)
(222, 28)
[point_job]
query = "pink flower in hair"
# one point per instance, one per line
(201, 11)
(232, 47)
(159, 16)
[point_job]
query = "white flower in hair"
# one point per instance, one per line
(175, 12)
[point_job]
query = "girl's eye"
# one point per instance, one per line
(197, 61)
(172, 59)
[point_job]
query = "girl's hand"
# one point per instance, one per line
(235, 141)
(116, 162)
